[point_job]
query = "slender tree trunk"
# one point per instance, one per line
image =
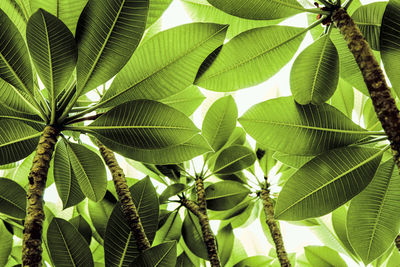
(32, 239)
(383, 101)
(124, 195)
(273, 226)
(208, 235)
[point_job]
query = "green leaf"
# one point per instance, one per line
(67, 246)
(390, 42)
(53, 50)
(202, 11)
(32, 120)
(163, 255)
(11, 98)
(156, 9)
(233, 159)
(17, 140)
(6, 244)
(343, 98)
(349, 70)
(225, 239)
(119, 244)
(371, 221)
(231, 213)
(142, 124)
(257, 9)
(193, 237)
(293, 161)
(369, 19)
(165, 64)
(283, 125)
(315, 72)
(237, 68)
(220, 121)
(254, 261)
(83, 227)
(327, 182)
(66, 10)
(184, 261)
(170, 231)
(369, 116)
(107, 34)
(89, 170)
(225, 195)
(171, 191)
(66, 182)
(186, 101)
(15, 13)
(100, 212)
(323, 257)
(339, 217)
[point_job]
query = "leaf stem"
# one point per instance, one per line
(318, 11)
(347, 4)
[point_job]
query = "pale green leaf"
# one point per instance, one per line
(225, 239)
(343, 98)
(293, 161)
(219, 122)
(236, 68)
(186, 101)
(315, 72)
(233, 159)
(225, 195)
(6, 244)
(89, 170)
(171, 229)
(119, 244)
(372, 217)
(327, 182)
(283, 125)
(107, 33)
(254, 261)
(193, 237)
(67, 246)
(319, 256)
(53, 50)
(370, 118)
(339, 217)
(259, 9)
(165, 64)
(156, 9)
(12, 199)
(163, 255)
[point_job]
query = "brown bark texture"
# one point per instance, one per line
(124, 195)
(273, 227)
(33, 226)
(382, 100)
(397, 242)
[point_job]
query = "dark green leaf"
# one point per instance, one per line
(193, 237)
(184, 261)
(100, 212)
(12, 199)
(163, 255)
(323, 257)
(171, 191)
(6, 244)
(225, 195)
(171, 229)
(233, 159)
(83, 227)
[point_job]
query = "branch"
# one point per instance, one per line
(273, 226)
(124, 195)
(33, 226)
(382, 100)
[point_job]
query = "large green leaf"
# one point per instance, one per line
(163, 255)
(372, 217)
(67, 246)
(89, 170)
(327, 182)
(201, 10)
(259, 9)
(12, 199)
(193, 237)
(233, 159)
(390, 42)
(293, 161)
(142, 124)
(11, 98)
(369, 18)
(83, 227)
(236, 68)
(186, 101)
(107, 34)
(220, 121)
(17, 140)
(119, 244)
(100, 212)
(315, 72)
(53, 50)
(66, 10)
(6, 244)
(283, 125)
(165, 64)
(66, 182)
(323, 257)
(171, 229)
(225, 195)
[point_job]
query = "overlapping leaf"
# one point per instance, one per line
(171, 229)
(100, 212)
(323, 256)
(83, 227)
(327, 182)
(6, 244)
(259, 9)
(166, 63)
(343, 98)
(233, 159)
(156, 9)
(225, 239)
(293, 161)
(193, 237)
(315, 72)
(186, 101)
(283, 125)
(107, 34)
(163, 255)
(12, 199)
(10, 98)
(15, 13)
(372, 219)
(225, 195)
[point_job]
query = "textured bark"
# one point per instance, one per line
(273, 227)
(397, 242)
(383, 101)
(125, 198)
(201, 195)
(32, 239)
(208, 235)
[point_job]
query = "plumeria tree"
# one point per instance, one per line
(83, 80)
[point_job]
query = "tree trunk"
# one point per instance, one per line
(273, 226)
(32, 239)
(124, 195)
(384, 103)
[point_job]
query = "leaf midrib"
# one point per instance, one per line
(232, 162)
(20, 139)
(319, 65)
(66, 244)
